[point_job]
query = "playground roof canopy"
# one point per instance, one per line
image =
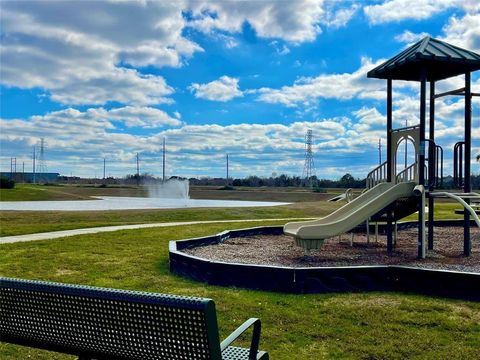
(440, 60)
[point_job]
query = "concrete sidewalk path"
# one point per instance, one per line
(94, 230)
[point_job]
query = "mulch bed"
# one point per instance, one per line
(281, 251)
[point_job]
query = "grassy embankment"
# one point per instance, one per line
(347, 326)
(30, 192)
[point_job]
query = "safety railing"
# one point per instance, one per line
(458, 164)
(434, 173)
(407, 174)
(377, 175)
(439, 166)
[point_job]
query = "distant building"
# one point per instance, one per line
(28, 177)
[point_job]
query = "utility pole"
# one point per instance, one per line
(23, 171)
(379, 151)
(138, 171)
(227, 169)
(33, 164)
(163, 172)
(103, 169)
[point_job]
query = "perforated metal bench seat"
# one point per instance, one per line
(233, 352)
(99, 323)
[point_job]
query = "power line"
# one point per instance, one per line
(227, 169)
(13, 167)
(138, 166)
(33, 167)
(138, 171)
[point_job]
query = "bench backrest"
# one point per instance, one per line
(106, 323)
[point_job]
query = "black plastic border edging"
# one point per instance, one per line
(452, 284)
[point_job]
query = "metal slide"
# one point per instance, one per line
(310, 234)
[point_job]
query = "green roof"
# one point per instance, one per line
(440, 60)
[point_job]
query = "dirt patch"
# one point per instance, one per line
(64, 272)
(281, 251)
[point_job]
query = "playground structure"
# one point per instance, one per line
(347, 217)
(391, 196)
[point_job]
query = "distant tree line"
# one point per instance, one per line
(346, 181)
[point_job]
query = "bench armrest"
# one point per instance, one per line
(240, 330)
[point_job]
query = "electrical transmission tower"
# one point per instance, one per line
(309, 167)
(41, 163)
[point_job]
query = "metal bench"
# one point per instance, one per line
(100, 323)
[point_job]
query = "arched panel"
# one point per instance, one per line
(411, 137)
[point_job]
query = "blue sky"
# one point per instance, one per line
(112, 78)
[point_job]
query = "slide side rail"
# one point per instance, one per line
(377, 175)
(461, 201)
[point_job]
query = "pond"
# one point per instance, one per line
(127, 203)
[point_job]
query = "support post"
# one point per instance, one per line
(389, 131)
(421, 163)
(431, 166)
(368, 230)
(395, 235)
(467, 245)
(389, 163)
(421, 229)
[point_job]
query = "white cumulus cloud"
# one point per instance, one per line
(78, 57)
(398, 10)
(295, 21)
(328, 86)
(464, 31)
(224, 89)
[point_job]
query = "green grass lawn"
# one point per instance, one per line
(347, 326)
(35, 193)
(29, 222)
(444, 210)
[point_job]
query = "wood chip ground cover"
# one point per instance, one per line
(282, 251)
